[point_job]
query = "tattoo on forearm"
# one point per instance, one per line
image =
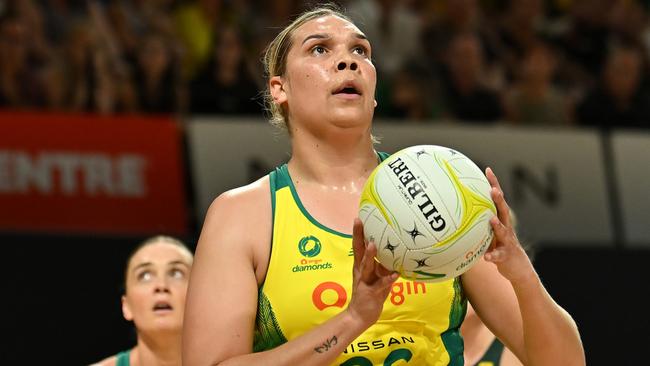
(327, 345)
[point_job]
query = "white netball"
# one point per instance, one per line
(427, 209)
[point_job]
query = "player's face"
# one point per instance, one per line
(156, 286)
(329, 75)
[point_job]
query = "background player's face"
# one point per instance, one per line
(327, 55)
(156, 286)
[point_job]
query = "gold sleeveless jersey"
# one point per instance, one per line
(309, 280)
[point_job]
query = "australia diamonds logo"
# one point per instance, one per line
(310, 247)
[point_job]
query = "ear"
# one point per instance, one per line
(126, 309)
(276, 87)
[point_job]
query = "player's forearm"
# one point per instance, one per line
(320, 346)
(551, 336)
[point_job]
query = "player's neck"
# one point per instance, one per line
(313, 159)
(162, 351)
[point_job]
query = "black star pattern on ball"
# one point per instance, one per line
(421, 152)
(415, 232)
(421, 262)
(390, 247)
(453, 152)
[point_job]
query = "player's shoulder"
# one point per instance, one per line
(249, 202)
(250, 194)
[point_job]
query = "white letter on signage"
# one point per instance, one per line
(36, 173)
(5, 179)
(130, 170)
(98, 174)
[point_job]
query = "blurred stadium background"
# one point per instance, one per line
(123, 119)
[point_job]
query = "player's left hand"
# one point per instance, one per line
(506, 251)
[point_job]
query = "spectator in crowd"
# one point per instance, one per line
(16, 79)
(627, 21)
(585, 42)
(53, 85)
(155, 285)
(394, 30)
(411, 96)
(534, 99)
(619, 100)
(225, 85)
(519, 30)
(441, 21)
(157, 76)
(80, 68)
(196, 25)
(466, 97)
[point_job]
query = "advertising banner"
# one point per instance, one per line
(90, 174)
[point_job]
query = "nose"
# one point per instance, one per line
(161, 286)
(344, 64)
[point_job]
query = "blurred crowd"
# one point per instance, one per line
(535, 62)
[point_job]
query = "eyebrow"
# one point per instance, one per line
(172, 263)
(147, 264)
(141, 265)
(327, 36)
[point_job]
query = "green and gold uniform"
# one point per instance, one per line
(309, 280)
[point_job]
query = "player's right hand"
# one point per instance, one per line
(371, 282)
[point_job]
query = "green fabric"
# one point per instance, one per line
(123, 358)
(451, 337)
(493, 354)
(382, 155)
(268, 334)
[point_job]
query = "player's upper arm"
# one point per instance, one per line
(495, 302)
(221, 300)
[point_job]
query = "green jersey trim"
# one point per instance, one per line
(493, 354)
(281, 178)
(451, 338)
(284, 171)
(123, 358)
(268, 333)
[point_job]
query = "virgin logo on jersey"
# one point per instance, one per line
(337, 296)
(311, 265)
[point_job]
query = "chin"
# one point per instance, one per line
(167, 324)
(350, 119)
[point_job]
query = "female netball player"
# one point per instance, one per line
(154, 300)
(283, 277)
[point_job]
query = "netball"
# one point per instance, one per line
(427, 209)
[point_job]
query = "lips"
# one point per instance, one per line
(348, 88)
(161, 306)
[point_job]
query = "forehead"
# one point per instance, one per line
(329, 24)
(160, 253)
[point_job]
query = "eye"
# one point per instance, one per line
(144, 276)
(177, 273)
(318, 50)
(360, 50)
